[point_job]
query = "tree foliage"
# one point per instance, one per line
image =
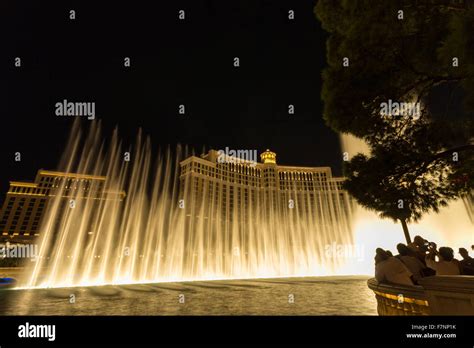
(402, 51)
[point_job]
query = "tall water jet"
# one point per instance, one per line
(145, 220)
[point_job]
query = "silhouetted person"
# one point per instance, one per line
(447, 264)
(467, 262)
(419, 247)
(389, 269)
(414, 265)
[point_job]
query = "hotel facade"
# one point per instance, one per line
(213, 187)
(27, 202)
(231, 188)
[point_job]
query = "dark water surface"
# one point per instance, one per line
(312, 296)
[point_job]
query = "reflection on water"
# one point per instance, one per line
(312, 296)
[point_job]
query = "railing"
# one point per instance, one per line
(395, 299)
(439, 295)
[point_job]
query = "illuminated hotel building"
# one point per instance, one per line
(27, 202)
(237, 188)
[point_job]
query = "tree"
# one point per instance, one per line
(402, 53)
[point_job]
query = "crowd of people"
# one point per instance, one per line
(420, 259)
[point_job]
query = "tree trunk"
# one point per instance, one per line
(405, 230)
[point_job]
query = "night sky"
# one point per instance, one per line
(172, 62)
